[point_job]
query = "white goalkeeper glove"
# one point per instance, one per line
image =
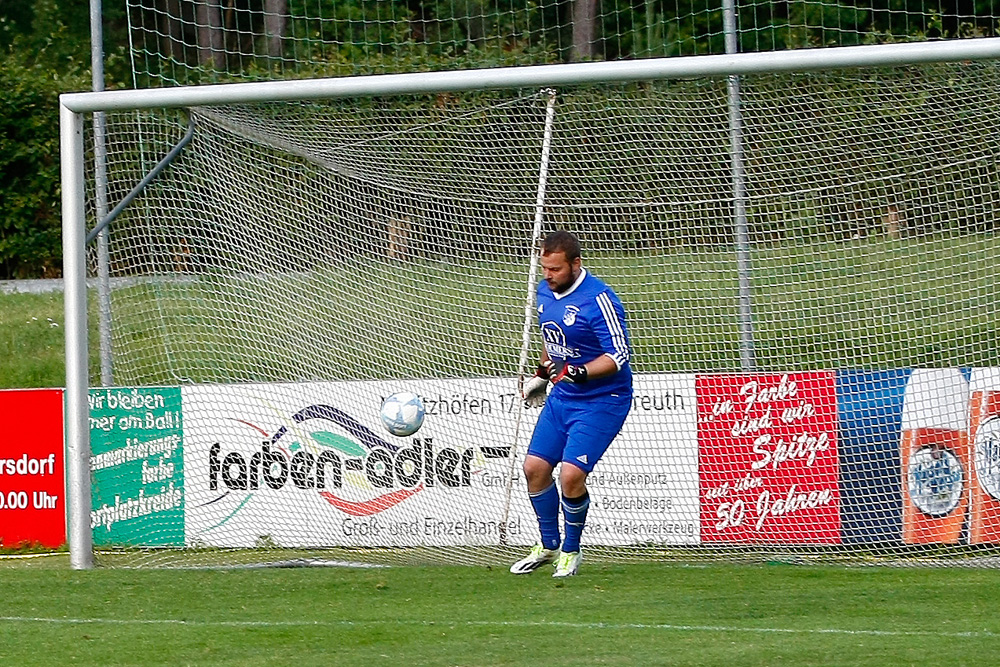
(533, 390)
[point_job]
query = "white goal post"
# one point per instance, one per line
(73, 156)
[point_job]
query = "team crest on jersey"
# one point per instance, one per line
(569, 317)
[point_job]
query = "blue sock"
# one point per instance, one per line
(574, 516)
(546, 504)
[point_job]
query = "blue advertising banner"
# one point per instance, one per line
(869, 408)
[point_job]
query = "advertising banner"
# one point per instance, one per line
(984, 439)
(768, 458)
(796, 458)
(934, 455)
(645, 490)
(310, 465)
(32, 491)
(301, 465)
(869, 410)
(137, 466)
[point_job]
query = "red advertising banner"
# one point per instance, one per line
(32, 492)
(767, 458)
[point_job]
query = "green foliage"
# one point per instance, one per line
(29, 167)
(348, 37)
(15, 19)
(35, 67)
(44, 51)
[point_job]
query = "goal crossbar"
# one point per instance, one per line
(875, 55)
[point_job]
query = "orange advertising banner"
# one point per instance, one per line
(984, 446)
(935, 455)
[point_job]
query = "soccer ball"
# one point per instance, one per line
(402, 413)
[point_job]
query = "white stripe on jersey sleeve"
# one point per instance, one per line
(621, 355)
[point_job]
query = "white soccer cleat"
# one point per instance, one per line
(568, 564)
(534, 560)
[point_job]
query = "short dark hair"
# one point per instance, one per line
(564, 242)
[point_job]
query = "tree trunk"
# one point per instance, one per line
(171, 30)
(584, 24)
(275, 26)
(211, 38)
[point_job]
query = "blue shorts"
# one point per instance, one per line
(578, 431)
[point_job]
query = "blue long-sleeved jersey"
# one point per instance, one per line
(581, 324)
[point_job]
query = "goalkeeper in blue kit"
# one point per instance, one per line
(585, 355)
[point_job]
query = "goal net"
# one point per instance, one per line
(300, 261)
(190, 41)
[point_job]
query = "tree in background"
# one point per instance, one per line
(44, 51)
(228, 34)
(38, 62)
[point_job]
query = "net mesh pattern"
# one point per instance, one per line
(302, 261)
(195, 41)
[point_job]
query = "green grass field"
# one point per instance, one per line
(32, 353)
(640, 614)
(864, 304)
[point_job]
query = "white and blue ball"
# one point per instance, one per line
(402, 413)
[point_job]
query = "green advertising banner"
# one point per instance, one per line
(137, 466)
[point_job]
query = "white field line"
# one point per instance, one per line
(501, 624)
